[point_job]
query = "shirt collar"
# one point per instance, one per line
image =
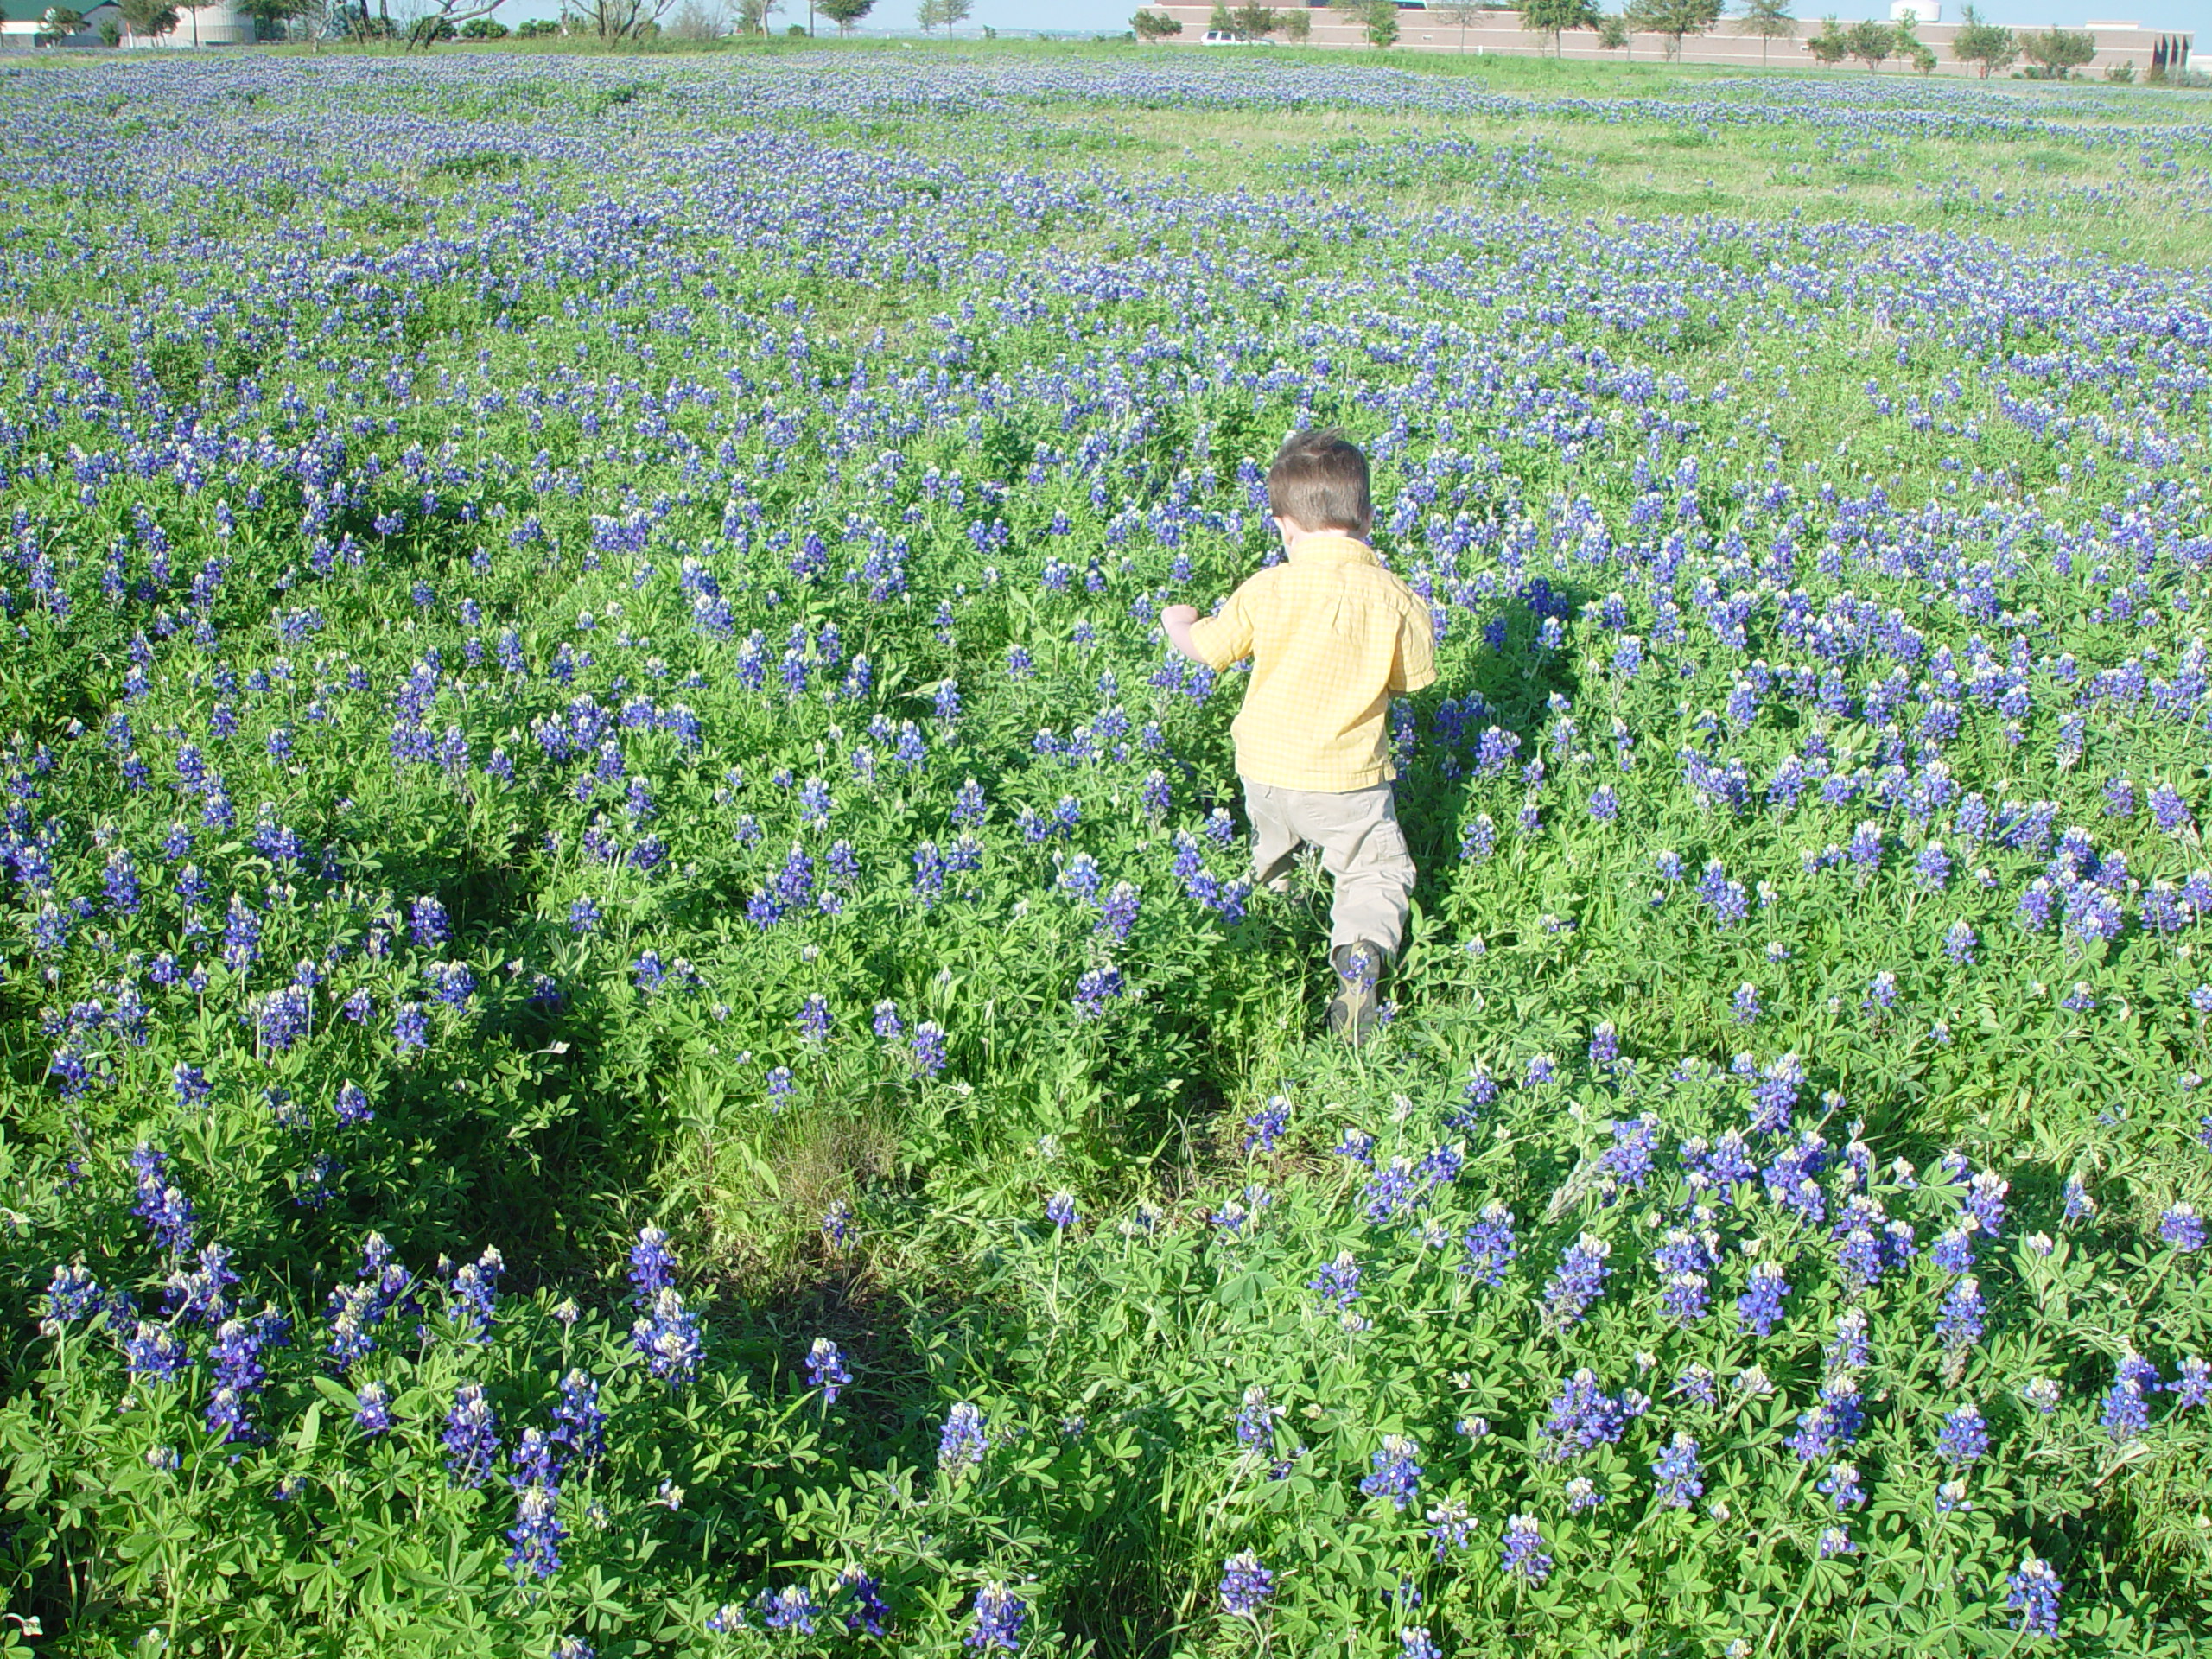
(1331, 547)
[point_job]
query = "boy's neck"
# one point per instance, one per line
(1292, 539)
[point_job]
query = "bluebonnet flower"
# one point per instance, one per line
(583, 916)
(2079, 1204)
(410, 1028)
(352, 1105)
(472, 1437)
(1450, 1525)
(1337, 1283)
(475, 1288)
(1848, 1351)
(1583, 1416)
(1952, 1251)
(1760, 1307)
(1268, 1124)
(999, 1617)
(153, 1353)
(867, 1613)
(75, 1294)
(814, 1019)
(1256, 1421)
(1959, 942)
(1605, 1048)
(536, 1534)
(1117, 914)
(963, 1440)
(1675, 1476)
(1391, 1189)
(1579, 1280)
(428, 924)
(1841, 1484)
(930, 1048)
(1959, 1321)
(1836, 1540)
(2192, 1384)
(652, 1266)
(1246, 1585)
(1059, 1209)
(1834, 1421)
(668, 1335)
(1964, 1437)
(579, 1424)
(164, 1208)
(2043, 1394)
(1986, 1201)
(1396, 1475)
(2127, 1409)
(372, 1409)
(788, 1609)
(1523, 1550)
(2182, 1228)
(1414, 1642)
(2032, 1594)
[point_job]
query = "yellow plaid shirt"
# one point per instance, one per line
(1332, 637)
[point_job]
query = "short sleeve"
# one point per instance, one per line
(1225, 638)
(1416, 663)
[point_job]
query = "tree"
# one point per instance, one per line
(1221, 23)
(696, 19)
(945, 12)
(2056, 53)
(845, 13)
(1555, 17)
(1254, 21)
(269, 16)
(443, 19)
(59, 23)
(1463, 13)
(1987, 46)
(1673, 19)
(1148, 25)
(537, 28)
(1298, 25)
(1871, 41)
(1378, 21)
(1612, 32)
(1769, 20)
(612, 21)
(1910, 47)
(111, 32)
(483, 29)
(752, 14)
(148, 20)
(1831, 45)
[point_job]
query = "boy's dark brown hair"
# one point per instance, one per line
(1319, 479)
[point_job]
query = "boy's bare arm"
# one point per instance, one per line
(1176, 620)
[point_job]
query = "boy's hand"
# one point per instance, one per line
(1176, 621)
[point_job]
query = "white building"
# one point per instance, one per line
(21, 23)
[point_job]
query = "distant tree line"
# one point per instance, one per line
(2050, 53)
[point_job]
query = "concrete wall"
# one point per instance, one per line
(1420, 30)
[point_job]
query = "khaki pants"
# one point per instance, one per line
(1361, 846)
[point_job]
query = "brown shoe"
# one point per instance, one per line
(1356, 1009)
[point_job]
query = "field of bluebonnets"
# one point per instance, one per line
(632, 1020)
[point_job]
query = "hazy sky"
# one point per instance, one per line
(1101, 15)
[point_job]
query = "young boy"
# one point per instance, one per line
(1334, 637)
